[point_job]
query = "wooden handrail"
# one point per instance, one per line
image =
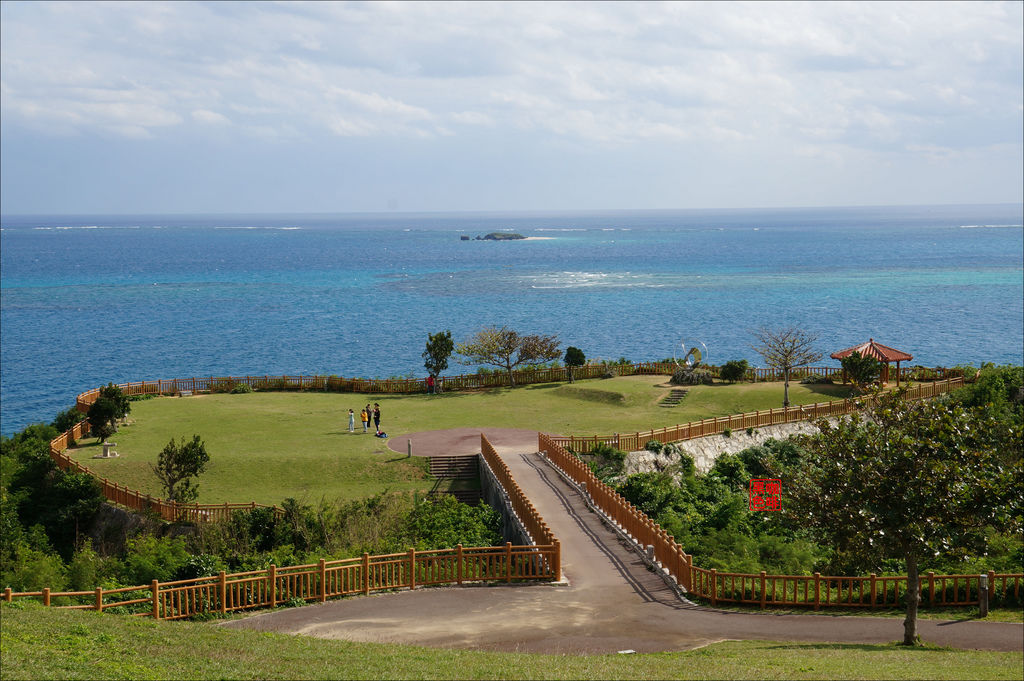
(828, 591)
(755, 419)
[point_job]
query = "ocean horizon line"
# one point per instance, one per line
(501, 211)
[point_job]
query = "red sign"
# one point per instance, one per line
(765, 494)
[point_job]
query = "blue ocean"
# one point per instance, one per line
(89, 299)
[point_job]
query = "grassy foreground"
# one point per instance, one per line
(40, 643)
(265, 447)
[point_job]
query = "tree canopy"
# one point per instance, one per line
(507, 349)
(177, 464)
(786, 349)
(439, 349)
(574, 357)
(909, 480)
(863, 370)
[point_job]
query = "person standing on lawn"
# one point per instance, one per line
(351, 421)
(376, 416)
(365, 416)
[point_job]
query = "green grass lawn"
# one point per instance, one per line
(265, 447)
(41, 643)
(958, 614)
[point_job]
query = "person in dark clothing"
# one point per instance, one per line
(376, 416)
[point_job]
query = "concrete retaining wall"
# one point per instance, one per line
(705, 450)
(493, 493)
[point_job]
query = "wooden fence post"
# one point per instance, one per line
(763, 573)
(508, 561)
(931, 588)
(366, 573)
(714, 585)
(222, 586)
(458, 564)
(46, 596)
(873, 589)
(817, 590)
(272, 585)
(992, 584)
(412, 569)
(558, 561)
(155, 588)
(99, 599)
(323, 580)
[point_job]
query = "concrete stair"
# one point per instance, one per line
(674, 397)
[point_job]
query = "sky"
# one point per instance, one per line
(350, 107)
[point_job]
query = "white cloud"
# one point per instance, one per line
(780, 68)
(210, 117)
(820, 81)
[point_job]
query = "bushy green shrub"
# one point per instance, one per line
(67, 419)
(148, 558)
(444, 522)
(222, 385)
(734, 370)
(816, 379)
(241, 389)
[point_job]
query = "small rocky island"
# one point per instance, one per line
(496, 236)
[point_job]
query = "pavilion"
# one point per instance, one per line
(882, 353)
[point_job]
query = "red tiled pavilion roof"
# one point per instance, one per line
(872, 349)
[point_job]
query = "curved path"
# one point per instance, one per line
(612, 601)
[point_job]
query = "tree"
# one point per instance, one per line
(177, 464)
(909, 480)
(122, 405)
(439, 349)
(506, 349)
(733, 370)
(786, 349)
(574, 357)
(102, 418)
(862, 370)
(67, 419)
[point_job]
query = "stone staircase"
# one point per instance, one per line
(466, 467)
(674, 397)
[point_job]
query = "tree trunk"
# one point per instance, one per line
(785, 389)
(511, 379)
(570, 374)
(913, 598)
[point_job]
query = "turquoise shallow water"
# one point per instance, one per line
(89, 299)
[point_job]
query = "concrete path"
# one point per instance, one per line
(612, 603)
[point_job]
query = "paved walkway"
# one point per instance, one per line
(612, 603)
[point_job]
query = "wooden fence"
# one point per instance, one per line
(772, 590)
(524, 509)
(174, 386)
(755, 419)
(850, 592)
(137, 501)
(274, 586)
(628, 441)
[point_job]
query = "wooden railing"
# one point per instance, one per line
(461, 382)
(521, 504)
(630, 519)
(320, 581)
(755, 419)
(849, 592)
(225, 593)
(137, 501)
(764, 589)
(173, 386)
